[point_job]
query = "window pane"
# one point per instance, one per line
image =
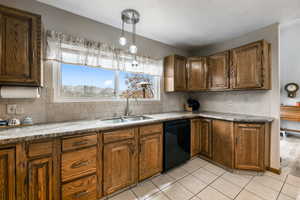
(83, 81)
(136, 85)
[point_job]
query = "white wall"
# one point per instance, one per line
(290, 64)
(264, 103)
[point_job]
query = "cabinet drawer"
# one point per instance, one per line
(118, 135)
(82, 189)
(150, 129)
(79, 142)
(78, 163)
(39, 149)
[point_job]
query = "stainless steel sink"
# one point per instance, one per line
(125, 119)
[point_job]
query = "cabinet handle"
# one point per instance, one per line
(132, 148)
(79, 164)
(80, 194)
(79, 143)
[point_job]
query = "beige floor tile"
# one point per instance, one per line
(158, 196)
(194, 164)
(145, 190)
(210, 193)
(269, 182)
(205, 176)
(195, 198)
(127, 195)
(284, 197)
(163, 181)
(214, 169)
(262, 191)
(282, 176)
(226, 187)
(291, 191)
(245, 195)
(178, 173)
(192, 184)
(177, 192)
(293, 180)
(237, 179)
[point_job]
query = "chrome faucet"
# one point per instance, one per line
(127, 110)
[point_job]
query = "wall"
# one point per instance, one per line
(44, 110)
(264, 103)
(290, 65)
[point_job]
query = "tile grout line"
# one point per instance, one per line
(282, 187)
(208, 185)
(244, 188)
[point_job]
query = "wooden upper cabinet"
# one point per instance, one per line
(151, 151)
(197, 73)
(7, 174)
(223, 142)
(249, 148)
(195, 137)
(120, 163)
(250, 66)
(218, 67)
(206, 138)
(175, 75)
(20, 43)
(40, 182)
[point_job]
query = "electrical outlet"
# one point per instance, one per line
(11, 108)
(20, 110)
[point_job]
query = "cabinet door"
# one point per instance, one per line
(40, 179)
(150, 157)
(180, 74)
(7, 174)
(249, 149)
(223, 142)
(247, 66)
(195, 137)
(197, 73)
(20, 56)
(218, 67)
(205, 138)
(119, 165)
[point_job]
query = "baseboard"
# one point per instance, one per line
(276, 171)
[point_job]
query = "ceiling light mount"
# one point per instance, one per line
(130, 16)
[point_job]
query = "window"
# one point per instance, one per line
(83, 83)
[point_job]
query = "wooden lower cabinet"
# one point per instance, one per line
(206, 138)
(7, 174)
(40, 183)
(151, 151)
(81, 189)
(78, 163)
(223, 142)
(250, 142)
(120, 163)
(195, 136)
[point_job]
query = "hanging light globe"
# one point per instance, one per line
(123, 41)
(133, 49)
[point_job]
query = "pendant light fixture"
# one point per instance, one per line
(129, 16)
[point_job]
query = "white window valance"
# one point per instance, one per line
(69, 49)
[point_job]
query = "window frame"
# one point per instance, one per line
(57, 87)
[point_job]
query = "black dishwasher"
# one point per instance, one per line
(177, 139)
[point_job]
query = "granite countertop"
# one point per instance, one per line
(43, 131)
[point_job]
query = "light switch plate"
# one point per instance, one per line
(11, 108)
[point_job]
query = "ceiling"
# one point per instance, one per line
(188, 23)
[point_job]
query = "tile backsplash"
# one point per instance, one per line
(44, 110)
